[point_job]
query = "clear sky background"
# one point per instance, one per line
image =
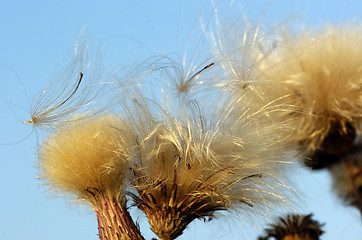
(34, 38)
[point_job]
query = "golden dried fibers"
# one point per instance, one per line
(87, 157)
(320, 74)
(189, 169)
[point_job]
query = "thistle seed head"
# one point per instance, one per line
(295, 227)
(319, 73)
(87, 157)
(185, 169)
(310, 81)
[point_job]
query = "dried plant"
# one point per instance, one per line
(184, 159)
(321, 73)
(178, 163)
(89, 159)
(295, 227)
(316, 77)
(186, 169)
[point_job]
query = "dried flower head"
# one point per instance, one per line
(89, 159)
(321, 74)
(295, 227)
(186, 169)
(318, 75)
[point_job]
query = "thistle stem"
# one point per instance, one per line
(114, 220)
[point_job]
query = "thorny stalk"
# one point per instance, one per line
(114, 220)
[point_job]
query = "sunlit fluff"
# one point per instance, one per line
(168, 81)
(313, 79)
(188, 169)
(320, 73)
(87, 157)
(240, 50)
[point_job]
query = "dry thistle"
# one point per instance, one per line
(321, 74)
(89, 159)
(187, 169)
(318, 75)
(294, 227)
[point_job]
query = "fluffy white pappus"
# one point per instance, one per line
(169, 81)
(260, 142)
(76, 90)
(178, 79)
(197, 168)
(240, 48)
(318, 74)
(88, 157)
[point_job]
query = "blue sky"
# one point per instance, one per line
(36, 36)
